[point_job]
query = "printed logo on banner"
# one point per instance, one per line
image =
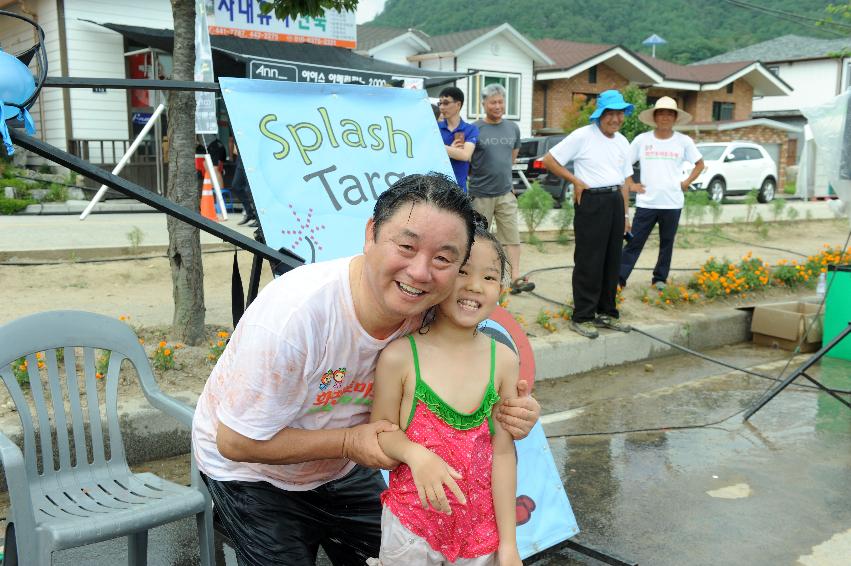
(317, 156)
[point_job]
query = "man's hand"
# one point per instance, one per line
(684, 185)
(637, 188)
(578, 188)
(360, 444)
(431, 473)
(520, 414)
(627, 225)
(458, 143)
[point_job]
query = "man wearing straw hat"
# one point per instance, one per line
(661, 153)
(602, 165)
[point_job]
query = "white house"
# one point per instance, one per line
(498, 54)
(76, 47)
(816, 69)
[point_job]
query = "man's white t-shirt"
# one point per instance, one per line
(598, 160)
(299, 358)
(662, 168)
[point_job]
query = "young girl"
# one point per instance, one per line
(452, 500)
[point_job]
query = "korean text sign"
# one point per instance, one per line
(243, 18)
(318, 155)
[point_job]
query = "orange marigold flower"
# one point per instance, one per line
(39, 355)
(99, 375)
(40, 365)
(122, 317)
(141, 341)
(223, 334)
(161, 344)
(220, 343)
(167, 352)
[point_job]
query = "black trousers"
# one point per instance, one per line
(642, 225)
(271, 526)
(598, 229)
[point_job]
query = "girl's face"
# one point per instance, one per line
(477, 288)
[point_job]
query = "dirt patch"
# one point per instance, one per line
(141, 290)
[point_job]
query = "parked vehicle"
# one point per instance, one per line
(530, 161)
(736, 168)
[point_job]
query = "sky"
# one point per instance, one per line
(368, 9)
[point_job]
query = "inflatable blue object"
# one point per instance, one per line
(16, 86)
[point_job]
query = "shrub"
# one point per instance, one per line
(534, 205)
(163, 357)
(217, 347)
(56, 193)
(13, 205)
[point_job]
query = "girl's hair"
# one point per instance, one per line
(481, 234)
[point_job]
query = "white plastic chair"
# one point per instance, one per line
(71, 491)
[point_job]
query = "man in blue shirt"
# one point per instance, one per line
(459, 137)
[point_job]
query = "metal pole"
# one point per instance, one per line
(217, 187)
(124, 159)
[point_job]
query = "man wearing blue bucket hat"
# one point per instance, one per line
(601, 167)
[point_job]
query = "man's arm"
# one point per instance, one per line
(698, 168)
(293, 446)
(553, 166)
(461, 152)
(514, 154)
(627, 225)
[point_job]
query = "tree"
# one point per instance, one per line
(632, 126)
(284, 9)
(184, 241)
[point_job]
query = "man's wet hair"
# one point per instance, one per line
(435, 189)
(482, 234)
(454, 93)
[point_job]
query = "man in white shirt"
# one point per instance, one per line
(660, 153)
(600, 156)
(281, 432)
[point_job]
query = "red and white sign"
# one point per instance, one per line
(243, 18)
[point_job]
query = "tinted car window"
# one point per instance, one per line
(552, 141)
(529, 148)
(751, 153)
(711, 152)
(738, 154)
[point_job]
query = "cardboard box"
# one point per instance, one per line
(782, 325)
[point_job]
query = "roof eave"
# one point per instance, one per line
(407, 36)
(536, 54)
(646, 73)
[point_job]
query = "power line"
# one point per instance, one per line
(796, 18)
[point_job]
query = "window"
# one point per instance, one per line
(847, 75)
(476, 83)
(774, 70)
(592, 75)
(730, 88)
(722, 110)
(751, 153)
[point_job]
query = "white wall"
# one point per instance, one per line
(17, 36)
(397, 53)
(813, 82)
(94, 51)
(508, 59)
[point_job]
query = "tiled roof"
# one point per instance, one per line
(785, 48)
(694, 73)
(567, 54)
(373, 36)
(452, 41)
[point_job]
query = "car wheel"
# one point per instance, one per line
(717, 189)
(767, 190)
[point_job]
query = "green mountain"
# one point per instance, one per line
(694, 29)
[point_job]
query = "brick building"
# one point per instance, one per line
(580, 71)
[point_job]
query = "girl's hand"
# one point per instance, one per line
(508, 555)
(431, 473)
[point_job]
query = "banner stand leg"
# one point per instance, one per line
(802, 372)
(594, 553)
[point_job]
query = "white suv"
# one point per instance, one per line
(736, 168)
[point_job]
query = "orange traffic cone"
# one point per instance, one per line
(208, 206)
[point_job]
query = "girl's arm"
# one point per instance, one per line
(504, 476)
(430, 472)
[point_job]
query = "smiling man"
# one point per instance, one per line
(281, 432)
(601, 162)
(661, 154)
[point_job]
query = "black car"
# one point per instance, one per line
(530, 161)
